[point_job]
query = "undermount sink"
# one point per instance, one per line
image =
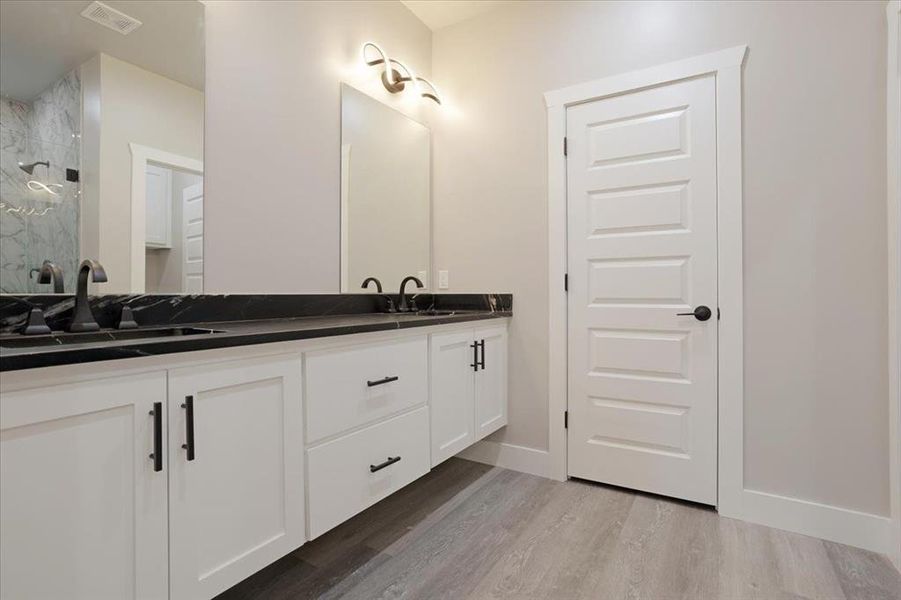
(62, 338)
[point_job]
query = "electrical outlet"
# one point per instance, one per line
(424, 278)
(442, 280)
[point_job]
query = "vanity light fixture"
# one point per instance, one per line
(396, 75)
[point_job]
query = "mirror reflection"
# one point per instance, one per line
(385, 194)
(101, 144)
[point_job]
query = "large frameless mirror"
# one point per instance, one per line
(101, 144)
(385, 194)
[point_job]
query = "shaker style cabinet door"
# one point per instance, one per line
(451, 386)
(491, 381)
(236, 499)
(82, 502)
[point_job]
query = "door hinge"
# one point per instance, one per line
(564, 147)
(717, 313)
(565, 419)
(566, 282)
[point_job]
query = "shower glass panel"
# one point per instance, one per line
(39, 203)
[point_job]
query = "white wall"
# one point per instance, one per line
(814, 192)
(273, 74)
(135, 106)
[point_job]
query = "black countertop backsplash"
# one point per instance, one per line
(242, 319)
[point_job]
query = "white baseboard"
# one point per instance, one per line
(850, 527)
(510, 456)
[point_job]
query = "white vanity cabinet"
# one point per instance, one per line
(236, 499)
(367, 425)
(83, 513)
(468, 386)
(179, 476)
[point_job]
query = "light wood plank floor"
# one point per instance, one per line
(467, 530)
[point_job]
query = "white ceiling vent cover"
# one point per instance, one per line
(110, 17)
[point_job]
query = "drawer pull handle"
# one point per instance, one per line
(387, 463)
(381, 381)
(189, 427)
(475, 356)
(157, 455)
(482, 348)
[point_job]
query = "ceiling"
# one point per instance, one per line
(441, 13)
(42, 41)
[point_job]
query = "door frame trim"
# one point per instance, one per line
(140, 156)
(893, 155)
(725, 66)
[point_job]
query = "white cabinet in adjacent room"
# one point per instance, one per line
(236, 483)
(468, 388)
(82, 504)
(158, 207)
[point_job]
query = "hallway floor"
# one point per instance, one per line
(468, 530)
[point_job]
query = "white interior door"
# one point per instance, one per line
(192, 242)
(641, 201)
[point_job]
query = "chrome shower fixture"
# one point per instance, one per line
(29, 168)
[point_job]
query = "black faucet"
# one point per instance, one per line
(50, 272)
(378, 286)
(402, 305)
(34, 322)
(83, 318)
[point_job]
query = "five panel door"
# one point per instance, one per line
(641, 202)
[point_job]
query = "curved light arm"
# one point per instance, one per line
(431, 93)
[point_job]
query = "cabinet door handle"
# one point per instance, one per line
(475, 356)
(482, 346)
(157, 455)
(387, 463)
(381, 381)
(189, 427)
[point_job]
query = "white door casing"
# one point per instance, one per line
(642, 247)
(192, 239)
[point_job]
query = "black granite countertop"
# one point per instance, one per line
(230, 333)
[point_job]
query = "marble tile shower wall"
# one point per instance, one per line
(34, 224)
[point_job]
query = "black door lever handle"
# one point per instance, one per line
(701, 313)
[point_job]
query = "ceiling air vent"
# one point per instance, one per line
(110, 17)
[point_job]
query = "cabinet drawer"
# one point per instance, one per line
(341, 481)
(353, 386)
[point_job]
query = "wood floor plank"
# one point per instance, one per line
(470, 531)
(574, 533)
(864, 575)
(804, 567)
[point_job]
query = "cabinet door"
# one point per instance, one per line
(158, 207)
(491, 381)
(238, 504)
(82, 510)
(451, 387)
